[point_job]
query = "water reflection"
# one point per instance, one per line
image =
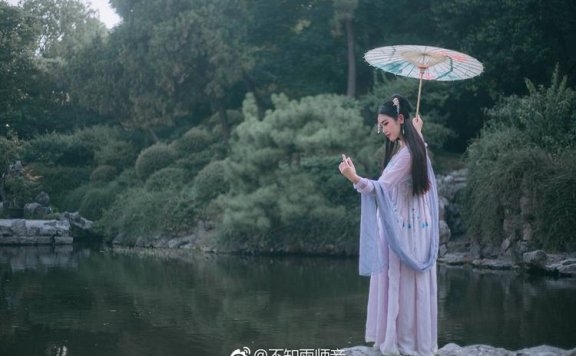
(183, 303)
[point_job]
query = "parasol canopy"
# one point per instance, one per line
(424, 63)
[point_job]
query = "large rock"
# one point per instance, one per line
(34, 232)
(535, 259)
(36, 211)
(565, 266)
(80, 227)
(444, 232)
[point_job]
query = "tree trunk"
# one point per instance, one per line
(218, 106)
(351, 90)
(259, 102)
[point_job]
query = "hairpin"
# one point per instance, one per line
(396, 103)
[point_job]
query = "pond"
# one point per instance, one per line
(78, 301)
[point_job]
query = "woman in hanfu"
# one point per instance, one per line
(399, 237)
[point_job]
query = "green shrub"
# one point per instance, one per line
(59, 149)
(556, 224)
(57, 181)
(138, 212)
(154, 158)
(96, 201)
(72, 199)
(10, 149)
(100, 135)
(104, 173)
(210, 182)
(521, 170)
(194, 162)
(120, 154)
(193, 141)
(167, 178)
(280, 169)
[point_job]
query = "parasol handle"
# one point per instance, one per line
(422, 70)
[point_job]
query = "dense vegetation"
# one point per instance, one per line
(233, 113)
(522, 170)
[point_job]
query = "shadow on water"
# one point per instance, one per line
(151, 302)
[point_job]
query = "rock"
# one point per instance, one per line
(76, 220)
(442, 204)
(545, 350)
(444, 232)
(30, 210)
(442, 250)
(18, 227)
(471, 350)
(494, 263)
(362, 351)
(527, 232)
(535, 259)
(568, 266)
(80, 227)
(505, 245)
(34, 232)
(455, 258)
(43, 199)
(63, 240)
(489, 251)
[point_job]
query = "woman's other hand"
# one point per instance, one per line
(348, 170)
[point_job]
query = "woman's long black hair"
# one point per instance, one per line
(414, 142)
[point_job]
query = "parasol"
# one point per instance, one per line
(424, 63)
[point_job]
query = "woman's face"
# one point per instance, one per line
(390, 127)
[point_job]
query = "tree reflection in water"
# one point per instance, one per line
(155, 302)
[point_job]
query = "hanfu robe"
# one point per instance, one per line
(398, 250)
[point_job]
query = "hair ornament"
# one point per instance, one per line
(396, 103)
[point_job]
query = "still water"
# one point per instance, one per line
(71, 302)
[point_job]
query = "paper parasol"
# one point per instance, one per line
(424, 63)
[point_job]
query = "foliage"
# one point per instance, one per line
(210, 182)
(117, 153)
(17, 69)
(556, 223)
(59, 149)
(154, 158)
(435, 131)
(10, 150)
(57, 181)
(547, 116)
(103, 173)
(19, 190)
(168, 178)
(66, 25)
(278, 167)
(96, 200)
(193, 141)
(518, 165)
(140, 213)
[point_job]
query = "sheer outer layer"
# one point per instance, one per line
(372, 258)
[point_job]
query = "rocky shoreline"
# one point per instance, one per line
(60, 231)
(473, 350)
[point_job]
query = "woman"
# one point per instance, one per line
(399, 237)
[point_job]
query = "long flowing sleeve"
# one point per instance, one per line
(378, 203)
(398, 169)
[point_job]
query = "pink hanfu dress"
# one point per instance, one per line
(402, 302)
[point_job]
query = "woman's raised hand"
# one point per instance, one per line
(347, 169)
(418, 123)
